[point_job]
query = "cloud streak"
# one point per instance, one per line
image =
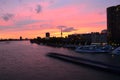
(7, 16)
(38, 8)
(59, 27)
(69, 29)
(66, 29)
(27, 22)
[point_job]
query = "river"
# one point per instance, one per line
(21, 60)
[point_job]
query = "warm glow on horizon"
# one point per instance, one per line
(34, 18)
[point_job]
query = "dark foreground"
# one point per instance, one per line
(86, 62)
(20, 60)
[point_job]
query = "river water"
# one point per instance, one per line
(21, 60)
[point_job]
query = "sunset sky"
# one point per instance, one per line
(32, 18)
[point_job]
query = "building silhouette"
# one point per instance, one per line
(47, 35)
(90, 38)
(21, 38)
(113, 24)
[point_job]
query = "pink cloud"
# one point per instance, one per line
(26, 19)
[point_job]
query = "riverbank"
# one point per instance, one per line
(86, 62)
(54, 44)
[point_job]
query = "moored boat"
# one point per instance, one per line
(116, 51)
(94, 49)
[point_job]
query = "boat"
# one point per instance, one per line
(116, 51)
(94, 49)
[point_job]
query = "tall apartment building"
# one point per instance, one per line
(113, 24)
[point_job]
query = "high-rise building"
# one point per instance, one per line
(113, 24)
(20, 37)
(47, 34)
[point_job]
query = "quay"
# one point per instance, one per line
(86, 62)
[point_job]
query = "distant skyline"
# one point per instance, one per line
(32, 18)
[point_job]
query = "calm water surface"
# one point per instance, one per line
(21, 60)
